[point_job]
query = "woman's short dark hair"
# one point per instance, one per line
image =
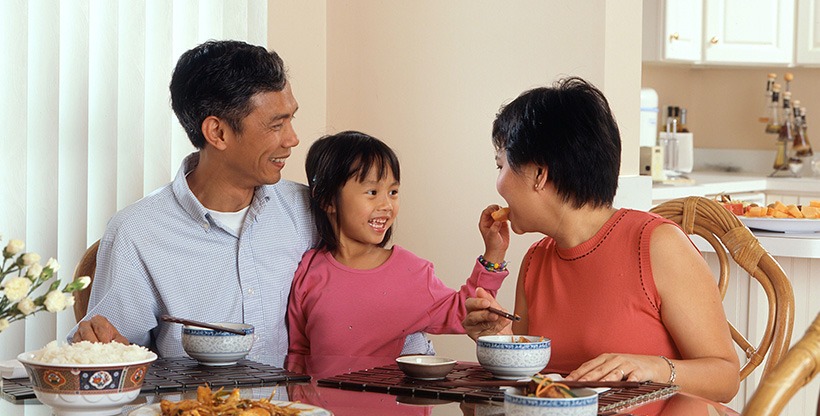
(219, 78)
(568, 129)
(333, 160)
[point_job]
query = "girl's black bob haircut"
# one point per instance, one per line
(333, 160)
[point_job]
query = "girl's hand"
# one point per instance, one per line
(617, 367)
(496, 235)
(479, 321)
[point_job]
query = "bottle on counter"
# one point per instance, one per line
(766, 113)
(801, 145)
(682, 128)
(773, 121)
(669, 142)
(786, 132)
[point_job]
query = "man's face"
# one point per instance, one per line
(258, 153)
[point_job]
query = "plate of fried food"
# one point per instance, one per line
(221, 402)
(783, 218)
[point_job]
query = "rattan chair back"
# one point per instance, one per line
(86, 267)
(725, 232)
(796, 369)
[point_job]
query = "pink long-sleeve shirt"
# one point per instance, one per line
(342, 319)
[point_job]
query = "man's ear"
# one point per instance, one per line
(215, 130)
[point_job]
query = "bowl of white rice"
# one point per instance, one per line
(87, 378)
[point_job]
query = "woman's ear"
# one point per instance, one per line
(214, 130)
(540, 177)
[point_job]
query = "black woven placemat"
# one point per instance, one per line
(168, 375)
(390, 379)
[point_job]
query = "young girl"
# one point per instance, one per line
(354, 303)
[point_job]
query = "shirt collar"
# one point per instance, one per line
(194, 208)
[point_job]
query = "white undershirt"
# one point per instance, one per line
(231, 220)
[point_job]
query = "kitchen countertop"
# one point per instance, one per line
(713, 183)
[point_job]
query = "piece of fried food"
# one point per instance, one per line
(501, 214)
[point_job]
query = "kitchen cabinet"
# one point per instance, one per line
(808, 32)
(749, 31)
(736, 32)
(672, 30)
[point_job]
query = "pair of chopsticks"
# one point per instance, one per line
(504, 314)
(516, 383)
(168, 318)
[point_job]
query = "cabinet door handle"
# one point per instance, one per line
(714, 40)
(674, 36)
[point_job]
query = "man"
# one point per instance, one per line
(222, 241)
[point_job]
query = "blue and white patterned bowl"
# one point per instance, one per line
(517, 404)
(508, 358)
(211, 347)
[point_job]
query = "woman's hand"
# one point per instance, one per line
(479, 321)
(496, 235)
(617, 367)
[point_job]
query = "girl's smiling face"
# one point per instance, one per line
(366, 209)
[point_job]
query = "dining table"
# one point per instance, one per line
(375, 391)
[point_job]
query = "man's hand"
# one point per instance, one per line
(479, 321)
(98, 329)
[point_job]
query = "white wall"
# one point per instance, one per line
(428, 77)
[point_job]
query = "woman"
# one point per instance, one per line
(623, 294)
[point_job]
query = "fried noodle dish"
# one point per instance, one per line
(222, 403)
(543, 386)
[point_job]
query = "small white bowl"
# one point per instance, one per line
(508, 358)
(86, 389)
(217, 348)
(518, 404)
(425, 367)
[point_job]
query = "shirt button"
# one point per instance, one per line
(250, 291)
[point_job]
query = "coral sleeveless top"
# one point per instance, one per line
(600, 296)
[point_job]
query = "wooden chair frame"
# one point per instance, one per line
(724, 231)
(86, 267)
(796, 369)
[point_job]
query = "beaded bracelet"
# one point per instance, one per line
(671, 368)
(492, 267)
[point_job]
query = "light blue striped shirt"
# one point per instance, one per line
(165, 254)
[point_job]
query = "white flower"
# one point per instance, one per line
(69, 299)
(55, 301)
(26, 306)
(52, 264)
(14, 247)
(17, 288)
(85, 280)
(34, 270)
(30, 258)
(4, 323)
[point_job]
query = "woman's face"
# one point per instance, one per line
(518, 189)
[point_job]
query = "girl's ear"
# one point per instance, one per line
(214, 130)
(330, 208)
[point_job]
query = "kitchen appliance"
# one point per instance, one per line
(649, 117)
(652, 163)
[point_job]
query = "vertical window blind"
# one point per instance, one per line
(87, 122)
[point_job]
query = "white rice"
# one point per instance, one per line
(85, 352)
